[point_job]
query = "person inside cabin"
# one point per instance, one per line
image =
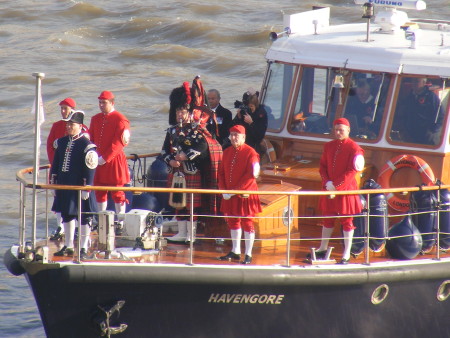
(74, 163)
(253, 116)
(238, 171)
(341, 160)
(57, 131)
(110, 131)
(192, 154)
(361, 106)
(223, 116)
(419, 114)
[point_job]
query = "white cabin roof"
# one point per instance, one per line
(346, 46)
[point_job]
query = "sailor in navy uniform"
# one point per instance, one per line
(74, 164)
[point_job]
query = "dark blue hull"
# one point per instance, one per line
(186, 301)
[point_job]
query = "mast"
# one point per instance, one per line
(37, 143)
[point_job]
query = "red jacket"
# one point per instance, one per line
(236, 173)
(337, 164)
(110, 132)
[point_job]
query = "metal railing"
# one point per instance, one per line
(44, 187)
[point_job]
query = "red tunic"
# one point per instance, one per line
(108, 132)
(236, 173)
(57, 131)
(337, 164)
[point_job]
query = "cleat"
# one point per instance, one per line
(319, 254)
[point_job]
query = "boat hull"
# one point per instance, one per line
(217, 301)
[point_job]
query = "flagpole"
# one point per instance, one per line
(39, 77)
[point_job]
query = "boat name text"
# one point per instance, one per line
(236, 298)
(386, 2)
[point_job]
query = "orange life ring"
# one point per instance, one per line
(402, 161)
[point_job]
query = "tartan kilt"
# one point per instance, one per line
(192, 182)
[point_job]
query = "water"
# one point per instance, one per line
(140, 50)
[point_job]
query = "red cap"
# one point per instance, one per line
(106, 95)
(237, 129)
(68, 102)
(341, 120)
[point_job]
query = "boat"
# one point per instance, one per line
(398, 280)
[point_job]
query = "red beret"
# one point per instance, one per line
(68, 102)
(237, 129)
(341, 120)
(106, 95)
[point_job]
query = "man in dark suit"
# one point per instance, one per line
(223, 116)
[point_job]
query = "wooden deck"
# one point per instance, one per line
(207, 251)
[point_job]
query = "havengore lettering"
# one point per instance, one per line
(236, 298)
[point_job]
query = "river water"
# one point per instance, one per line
(140, 50)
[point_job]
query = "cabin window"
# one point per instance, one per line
(279, 81)
(317, 101)
(420, 110)
(365, 103)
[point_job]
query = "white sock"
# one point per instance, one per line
(102, 206)
(120, 211)
(348, 237)
(85, 236)
(249, 240)
(326, 235)
(236, 240)
(69, 229)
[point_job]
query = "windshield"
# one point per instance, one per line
(326, 93)
(365, 104)
(419, 112)
(279, 81)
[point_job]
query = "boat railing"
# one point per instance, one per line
(44, 189)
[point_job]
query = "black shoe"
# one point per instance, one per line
(65, 251)
(60, 253)
(344, 261)
(247, 259)
(83, 254)
(57, 235)
(319, 254)
(231, 255)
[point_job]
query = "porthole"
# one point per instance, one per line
(443, 291)
(380, 294)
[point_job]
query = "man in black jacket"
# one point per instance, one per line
(223, 116)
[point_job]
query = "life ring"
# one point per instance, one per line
(403, 161)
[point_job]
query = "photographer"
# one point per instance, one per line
(253, 117)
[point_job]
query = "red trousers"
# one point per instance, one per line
(236, 223)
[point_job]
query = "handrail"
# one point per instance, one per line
(25, 183)
(20, 176)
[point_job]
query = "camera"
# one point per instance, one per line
(243, 107)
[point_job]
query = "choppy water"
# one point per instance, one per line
(140, 50)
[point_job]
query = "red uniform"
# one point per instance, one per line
(110, 132)
(57, 131)
(236, 173)
(339, 165)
